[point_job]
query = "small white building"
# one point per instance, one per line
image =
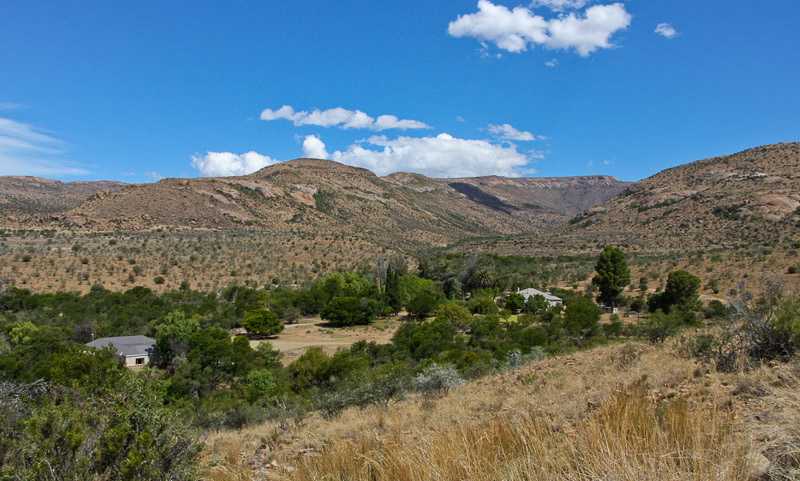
(530, 292)
(138, 351)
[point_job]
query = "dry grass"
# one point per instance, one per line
(619, 412)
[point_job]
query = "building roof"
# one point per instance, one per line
(127, 346)
(530, 292)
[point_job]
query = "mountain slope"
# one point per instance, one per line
(324, 197)
(734, 200)
(31, 196)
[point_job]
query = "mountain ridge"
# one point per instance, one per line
(320, 196)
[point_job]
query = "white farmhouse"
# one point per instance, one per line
(530, 292)
(137, 351)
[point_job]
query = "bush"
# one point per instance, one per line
(49, 432)
(658, 327)
(159, 280)
(483, 305)
(422, 305)
(344, 311)
(262, 322)
(438, 378)
(760, 327)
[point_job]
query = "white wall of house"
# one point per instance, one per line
(137, 361)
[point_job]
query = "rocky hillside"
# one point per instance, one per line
(29, 197)
(323, 197)
(730, 201)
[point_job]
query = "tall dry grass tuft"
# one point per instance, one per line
(629, 437)
(231, 465)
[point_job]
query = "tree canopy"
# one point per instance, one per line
(613, 275)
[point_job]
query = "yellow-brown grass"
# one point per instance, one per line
(616, 412)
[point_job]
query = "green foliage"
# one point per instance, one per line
(262, 322)
(715, 310)
(120, 434)
(482, 305)
(422, 305)
(345, 311)
(682, 292)
(260, 385)
(515, 302)
(581, 316)
(658, 327)
(732, 212)
(455, 314)
(394, 296)
(638, 305)
(537, 304)
(173, 334)
(613, 275)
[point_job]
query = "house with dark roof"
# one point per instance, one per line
(530, 292)
(138, 351)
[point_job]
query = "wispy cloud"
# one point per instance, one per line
(551, 63)
(26, 150)
(154, 175)
(342, 118)
(560, 5)
(518, 29)
(666, 30)
(508, 132)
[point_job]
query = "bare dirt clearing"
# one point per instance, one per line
(295, 339)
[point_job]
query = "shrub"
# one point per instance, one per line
(49, 432)
(765, 326)
(483, 305)
(344, 311)
(262, 322)
(658, 327)
(159, 280)
(515, 359)
(438, 378)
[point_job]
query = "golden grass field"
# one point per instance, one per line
(619, 412)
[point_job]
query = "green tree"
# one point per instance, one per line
(173, 334)
(260, 385)
(394, 296)
(454, 313)
(612, 276)
(515, 302)
(682, 292)
(536, 304)
(582, 315)
(422, 305)
(262, 322)
(345, 311)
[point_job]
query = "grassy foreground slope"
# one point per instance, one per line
(623, 412)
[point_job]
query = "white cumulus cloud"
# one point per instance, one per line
(518, 29)
(314, 148)
(666, 30)
(439, 156)
(508, 132)
(342, 118)
(25, 150)
(224, 164)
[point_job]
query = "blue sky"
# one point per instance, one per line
(136, 91)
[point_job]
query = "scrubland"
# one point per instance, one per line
(625, 412)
